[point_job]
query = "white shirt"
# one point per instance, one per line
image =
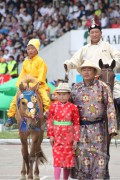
(103, 50)
(27, 18)
(104, 22)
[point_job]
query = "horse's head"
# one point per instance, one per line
(27, 103)
(107, 74)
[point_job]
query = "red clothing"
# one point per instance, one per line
(64, 135)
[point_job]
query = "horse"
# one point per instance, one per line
(30, 121)
(108, 76)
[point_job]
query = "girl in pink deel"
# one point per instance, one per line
(63, 129)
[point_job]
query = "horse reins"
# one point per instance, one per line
(107, 80)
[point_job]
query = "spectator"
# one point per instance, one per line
(106, 5)
(3, 66)
(37, 22)
(1, 53)
(76, 12)
(87, 5)
(43, 9)
(60, 30)
(7, 22)
(6, 55)
(17, 15)
(30, 8)
(83, 12)
(112, 13)
(51, 31)
(18, 46)
(63, 8)
(12, 67)
(2, 10)
(95, 2)
(15, 53)
(50, 10)
(80, 26)
(3, 44)
(99, 11)
(104, 21)
(91, 11)
(116, 23)
(71, 8)
(22, 8)
(9, 46)
(26, 17)
(15, 24)
(10, 32)
(67, 27)
(61, 20)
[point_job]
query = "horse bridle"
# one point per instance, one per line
(107, 82)
(26, 117)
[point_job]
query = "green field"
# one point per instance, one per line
(12, 134)
(9, 135)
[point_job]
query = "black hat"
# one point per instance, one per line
(94, 25)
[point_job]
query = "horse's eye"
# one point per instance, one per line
(23, 103)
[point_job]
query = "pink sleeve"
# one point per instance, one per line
(50, 132)
(76, 124)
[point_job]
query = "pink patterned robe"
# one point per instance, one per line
(64, 135)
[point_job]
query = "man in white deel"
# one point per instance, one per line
(95, 50)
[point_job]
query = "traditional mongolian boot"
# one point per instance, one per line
(9, 122)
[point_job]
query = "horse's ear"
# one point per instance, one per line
(113, 64)
(21, 87)
(36, 87)
(100, 63)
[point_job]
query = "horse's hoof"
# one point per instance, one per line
(36, 178)
(23, 178)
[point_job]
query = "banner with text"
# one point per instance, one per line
(4, 78)
(79, 38)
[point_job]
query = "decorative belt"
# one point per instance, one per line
(62, 123)
(90, 122)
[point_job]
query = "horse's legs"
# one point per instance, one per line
(39, 156)
(23, 171)
(36, 171)
(35, 139)
(25, 153)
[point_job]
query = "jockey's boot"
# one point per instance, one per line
(9, 122)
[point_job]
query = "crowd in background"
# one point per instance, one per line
(21, 20)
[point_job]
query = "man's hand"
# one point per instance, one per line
(46, 113)
(65, 67)
(66, 77)
(113, 134)
(52, 141)
(74, 145)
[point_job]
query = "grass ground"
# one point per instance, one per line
(12, 134)
(9, 135)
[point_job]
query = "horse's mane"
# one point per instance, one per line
(28, 79)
